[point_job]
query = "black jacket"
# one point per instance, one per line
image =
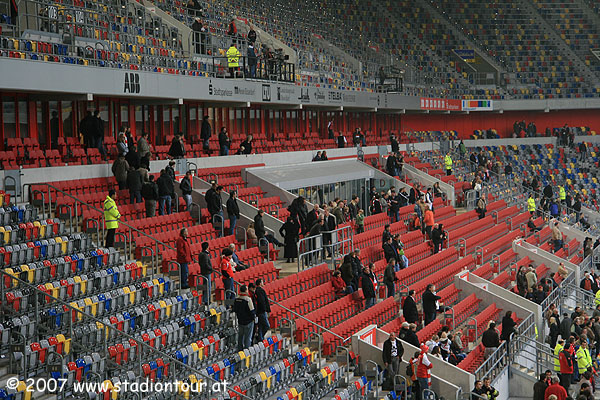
(389, 252)
(134, 180)
(185, 185)
(170, 172)
(395, 146)
(259, 226)
(177, 150)
(150, 191)
(205, 130)
(165, 185)
(247, 147)
(133, 159)
(205, 263)
(409, 310)
(224, 140)
(232, 208)
(412, 338)
(387, 350)
(508, 325)
(311, 218)
(244, 310)
(262, 301)
(341, 142)
(389, 275)
(490, 338)
(539, 390)
(213, 201)
(367, 286)
(429, 300)
(391, 164)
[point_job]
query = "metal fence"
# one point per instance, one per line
(327, 247)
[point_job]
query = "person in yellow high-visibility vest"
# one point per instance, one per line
(584, 360)
(448, 163)
(111, 217)
(233, 59)
(531, 204)
(557, 349)
(562, 194)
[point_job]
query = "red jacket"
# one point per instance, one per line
(423, 367)
(184, 253)
(557, 390)
(226, 268)
(566, 363)
(338, 284)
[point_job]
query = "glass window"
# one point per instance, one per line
(67, 118)
(23, 125)
(125, 114)
(8, 116)
(166, 122)
(42, 124)
(139, 120)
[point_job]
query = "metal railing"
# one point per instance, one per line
(531, 353)
(257, 68)
(313, 251)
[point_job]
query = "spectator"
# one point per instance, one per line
(492, 393)
(386, 234)
(330, 129)
(252, 36)
(233, 59)
(243, 307)
(252, 60)
(170, 170)
(87, 130)
(448, 164)
(324, 156)
(585, 392)
(391, 165)
(411, 335)
(401, 259)
(587, 283)
(409, 308)
(554, 332)
(111, 217)
(438, 236)
(388, 250)
(120, 170)
(263, 308)
(150, 195)
(259, 225)
(423, 370)
(414, 388)
(531, 277)
(247, 145)
(556, 390)
(539, 388)
(508, 326)
(531, 225)
(177, 149)
(341, 141)
(122, 148)
(214, 203)
(184, 257)
(227, 273)
(206, 271)
(394, 144)
(233, 211)
(582, 151)
(566, 367)
(232, 29)
(143, 148)
(522, 284)
(134, 184)
(311, 219)
(368, 286)
(330, 225)
(339, 284)
(290, 231)
(428, 220)
(132, 157)
(390, 278)
(165, 193)
(478, 392)
(490, 340)
(392, 355)
(317, 157)
(186, 189)
(360, 221)
(143, 173)
(347, 271)
(236, 263)
(431, 304)
(205, 133)
(481, 207)
(565, 326)
(224, 142)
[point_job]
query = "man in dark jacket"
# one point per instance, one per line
(490, 340)
(391, 165)
(437, 237)
(357, 266)
(259, 225)
(243, 307)
(206, 271)
(539, 388)
(165, 193)
(224, 142)
(214, 204)
(411, 335)
(150, 195)
(565, 326)
(186, 189)
(430, 304)
(311, 219)
(87, 130)
(247, 145)
(170, 170)
(177, 149)
(409, 308)
(388, 250)
(341, 141)
(394, 144)
(329, 225)
(392, 355)
(134, 184)
(133, 157)
(368, 286)
(233, 211)
(263, 308)
(205, 133)
(390, 278)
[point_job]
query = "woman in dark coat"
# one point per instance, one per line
(290, 231)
